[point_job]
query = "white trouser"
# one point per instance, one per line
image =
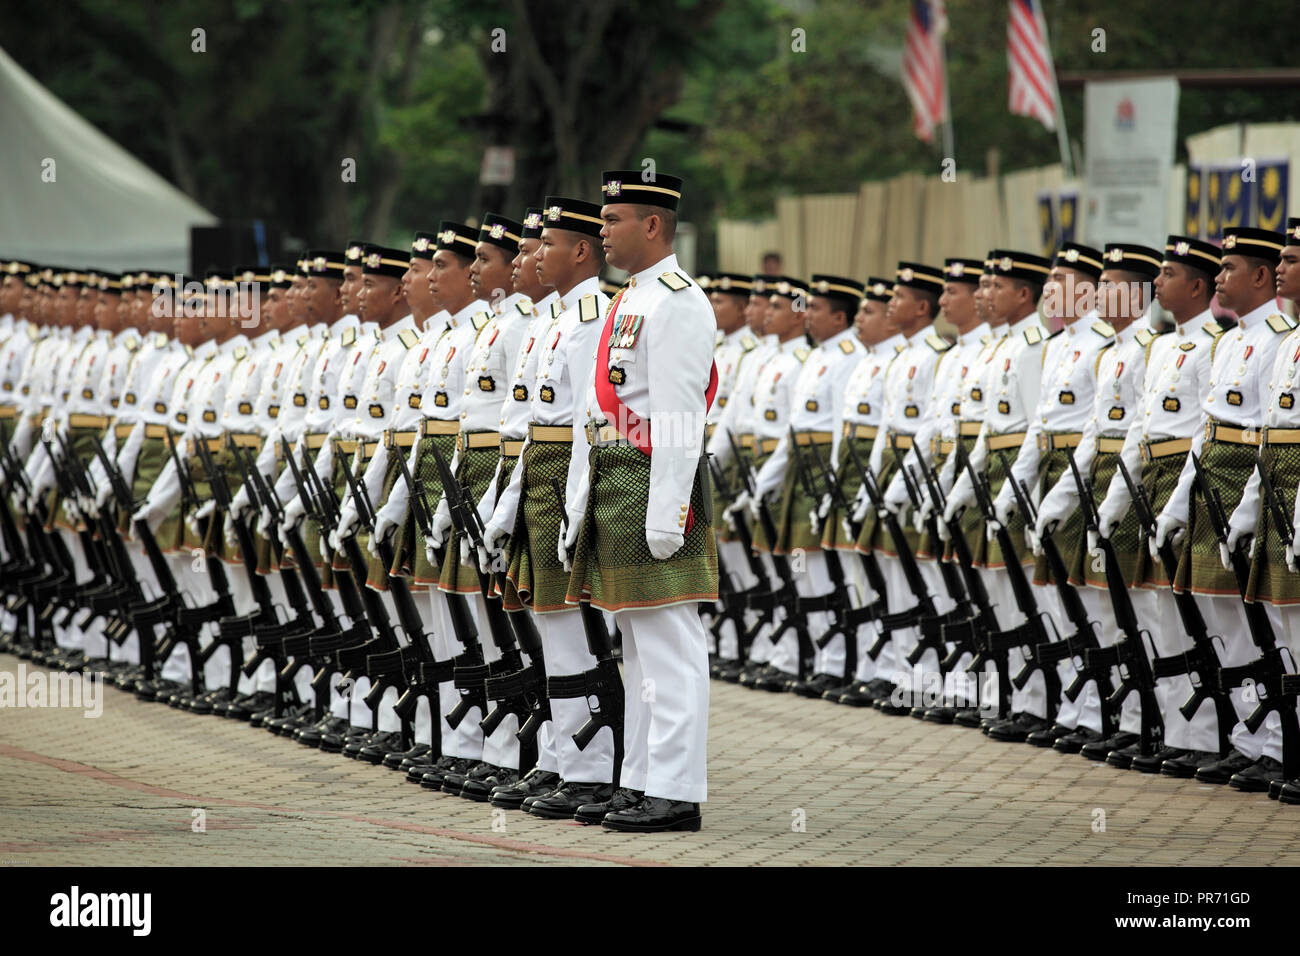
(866, 635)
(742, 579)
(1049, 603)
(70, 637)
(811, 578)
(564, 647)
(666, 673)
(892, 663)
(1033, 698)
(1238, 648)
(761, 651)
(925, 673)
(1157, 611)
(1096, 602)
(178, 666)
(466, 739)
(501, 749)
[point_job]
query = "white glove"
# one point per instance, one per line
(326, 544)
(1035, 541)
(441, 525)
(385, 527)
(824, 507)
(464, 550)
(494, 541)
(1005, 505)
(1108, 518)
(738, 506)
(232, 543)
(1169, 529)
(959, 499)
(815, 522)
(240, 505)
(1292, 549)
(86, 505)
(569, 541)
(347, 526)
(664, 544)
(896, 499)
(293, 513)
(203, 511)
(429, 554)
(1053, 510)
(103, 495)
(1236, 538)
(150, 515)
(846, 530)
(265, 526)
(860, 505)
(756, 507)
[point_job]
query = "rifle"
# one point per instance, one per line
(387, 662)
(523, 688)
(1268, 671)
(603, 683)
(1084, 639)
(933, 636)
(977, 631)
(1201, 663)
(924, 607)
(51, 566)
(786, 596)
(467, 670)
(323, 647)
(1033, 632)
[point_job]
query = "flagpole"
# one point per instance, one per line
(1062, 140)
(946, 131)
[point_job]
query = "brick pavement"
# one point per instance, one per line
(121, 789)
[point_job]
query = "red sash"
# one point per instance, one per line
(627, 422)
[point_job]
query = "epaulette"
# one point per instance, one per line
(349, 336)
(748, 343)
(557, 309)
(1104, 329)
(675, 281)
(525, 306)
(189, 351)
(408, 338)
(34, 335)
(588, 308)
(275, 341)
(159, 340)
(935, 342)
(131, 343)
(802, 354)
(1280, 323)
(1212, 329)
(302, 339)
(1033, 335)
(478, 320)
(1144, 337)
(899, 348)
(241, 353)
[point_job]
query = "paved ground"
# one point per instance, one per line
(868, 789)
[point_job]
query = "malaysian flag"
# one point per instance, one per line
(924, 76)
(1031, 78)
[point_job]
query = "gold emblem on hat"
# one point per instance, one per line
(1071, 255)
(906, 275)
(318, 264)
(1115, 255)
(1181, 248)
(553, 214)
(783, 288)
(533, 220)
(497, 231)
(278, 275)
(724, 282)
(614, 187)
(1229, 242)
(447, 236)
(354, 253)
(372, 260)
(878, 288)
(1005, 264)
(823, 287)
(421, 244)
(759, 286)
(957, 270)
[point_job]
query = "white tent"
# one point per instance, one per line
(103, 206)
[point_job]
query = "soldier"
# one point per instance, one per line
(1155, 448)
(1065, 406)
(816, 409)
(569, 260)
(768, 421)
(1009, 385)
(1232, 413)
(639, 525)
(909, 381)
(1253, 528)
(1116, 397)
(862, 407)
(936, 439)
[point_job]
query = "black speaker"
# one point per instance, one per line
(233, 244)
